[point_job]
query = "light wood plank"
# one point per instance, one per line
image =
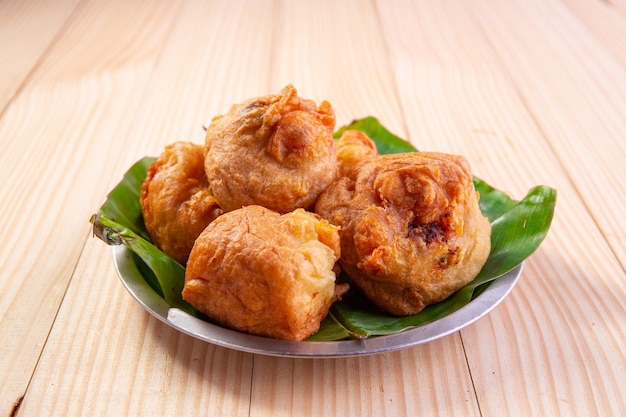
(171, 373)
(348, 65)
(224, 62)
(27, 29)
(69, 98)
(415, 381)
(581, 265)
(125, 78)
(567, 341)
(605, 23)
(619, 5)
(576, 91)
(146, 367)
(469, 104)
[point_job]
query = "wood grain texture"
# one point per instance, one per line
(481, 114)
(350, 70)
(404, 383)
(577, 260)
(531, 92)
(607, 27)
(141, 367)
(172, 373)
(348, 62)
(81, 88)
(28, 28)
(575, 89)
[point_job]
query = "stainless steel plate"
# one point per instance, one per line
(200, 329)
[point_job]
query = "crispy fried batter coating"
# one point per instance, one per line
(176, 201)
(275, 151)
(411, 229)
(260, 272)
(353, 147)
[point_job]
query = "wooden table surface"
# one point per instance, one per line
(530, 91)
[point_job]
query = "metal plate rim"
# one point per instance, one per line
(217, 335)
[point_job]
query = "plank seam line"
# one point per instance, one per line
(16, 407)
(251, 385)
(469, 371)
(62, 30)
(18, 403)
(43, 57)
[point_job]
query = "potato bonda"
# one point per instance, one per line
(263, 273)
(412, 232)
(176, 202)
(275, 151)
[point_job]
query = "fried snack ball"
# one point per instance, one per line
(176, 201)
(276, 151)
(353, 146)
(260, 272)
(411, 229)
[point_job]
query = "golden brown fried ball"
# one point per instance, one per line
(411, 229)
(176, 201)
(275, 151)
(263, 273)
(353, 147)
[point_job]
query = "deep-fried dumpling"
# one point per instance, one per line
(263, 273)
(353, 146)
(176, 201)
(412, 232)
(275, 151)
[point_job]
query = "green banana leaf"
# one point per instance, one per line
(518, 228)
(119, 222)
(386, 142)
